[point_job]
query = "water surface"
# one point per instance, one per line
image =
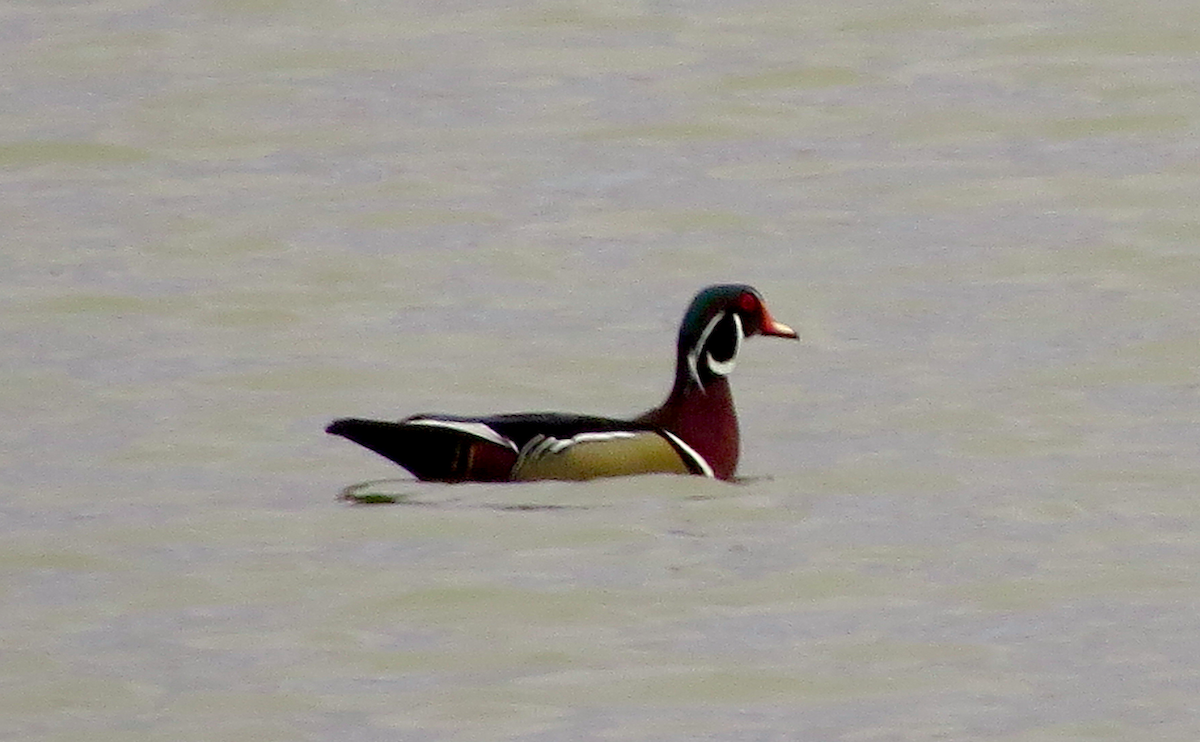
(970, 510)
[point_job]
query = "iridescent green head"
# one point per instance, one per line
(714, 325)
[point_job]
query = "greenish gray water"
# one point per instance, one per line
(971, 504)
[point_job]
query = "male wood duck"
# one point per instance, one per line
(695, 431)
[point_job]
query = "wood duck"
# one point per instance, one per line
(695, 431)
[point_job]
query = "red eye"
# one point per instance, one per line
(748, 303)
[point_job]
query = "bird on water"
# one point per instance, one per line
(694, 431)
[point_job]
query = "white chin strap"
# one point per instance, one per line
(718, 368)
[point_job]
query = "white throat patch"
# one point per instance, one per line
(718, 368)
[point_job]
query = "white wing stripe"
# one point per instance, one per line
(478, 430)
(540, 446)
(611, 435)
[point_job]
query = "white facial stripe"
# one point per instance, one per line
(478, 430)
(723, 368)
(693, 355)
(719, 368)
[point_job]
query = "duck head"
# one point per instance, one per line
(699, 410)
(713, 327)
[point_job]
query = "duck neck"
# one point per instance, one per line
(704, 418)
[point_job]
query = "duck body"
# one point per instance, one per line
(522, 447)
(694, 431)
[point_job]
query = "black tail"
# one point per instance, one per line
(430, 453)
